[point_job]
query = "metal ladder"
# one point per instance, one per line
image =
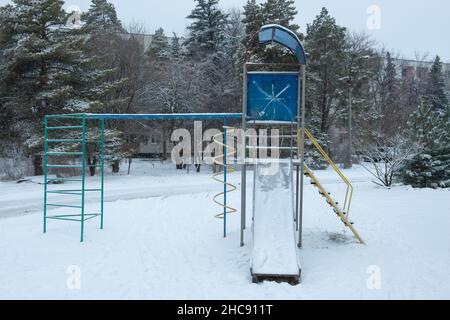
(343, 213)
(77, 137)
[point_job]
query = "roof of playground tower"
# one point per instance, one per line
(285, 37)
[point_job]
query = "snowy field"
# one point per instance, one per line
(161, 241)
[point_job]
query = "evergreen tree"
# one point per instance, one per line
(326, 45)
(429, 128)
(353, 110)
(253, 21)
(430, 169)
(48, 68)
(176, 50)
(7, 132)
(223, 70)
(45, 69)
(102, 17)
(435, 88)
(103, 44)
(389, 87)
(206, 29)
(159, 48)
(280, 12)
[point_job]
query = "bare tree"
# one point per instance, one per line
(385, 157)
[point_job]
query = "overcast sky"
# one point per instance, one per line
(405, 26)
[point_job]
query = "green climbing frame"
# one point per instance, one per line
(64, 136)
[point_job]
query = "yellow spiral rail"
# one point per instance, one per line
(219, 160)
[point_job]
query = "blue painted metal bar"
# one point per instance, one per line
(83, 176)
(225, 153)
(169, 116)
(102, 200)
(45, 171)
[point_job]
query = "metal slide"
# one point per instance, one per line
(274, 254)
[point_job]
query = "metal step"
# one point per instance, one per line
(62, 205)
(65, 128)
(64, 179)
(70, 193)
(65, 140)
(271, 148)
(71, 217)
(73, 190)
(64, 166)
(270, 136)
(62, 154)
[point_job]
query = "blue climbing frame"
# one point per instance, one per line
(83, 141)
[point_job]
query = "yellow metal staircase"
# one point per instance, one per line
(342, 213)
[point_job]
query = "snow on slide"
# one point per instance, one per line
(274, 255)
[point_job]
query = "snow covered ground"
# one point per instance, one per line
(161, 241)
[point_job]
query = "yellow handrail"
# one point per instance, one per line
(216, 176)
(331, 203)
(349, 191)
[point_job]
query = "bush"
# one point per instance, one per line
(429, 169)
(14, 164)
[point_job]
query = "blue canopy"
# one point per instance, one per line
(285, 37)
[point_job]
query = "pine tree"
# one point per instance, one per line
(49, 68)
(206, 29)
(102, 17)
(430, 169)
(176, 50)
(389, 87)
(280, 12)
(325, 43)
(159, 49)
(435, 88)
(223, 70)
(253, 21)
(353, 109)
(429, 128)
(45, 67)
(103, 44)
(7, 132)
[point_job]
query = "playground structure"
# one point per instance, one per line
(272, 98)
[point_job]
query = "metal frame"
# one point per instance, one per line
(82, 217)
(301, 72)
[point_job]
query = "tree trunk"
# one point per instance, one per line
(115, 166)
(91, 164)
(130, 160)
(37, 164)
(348, 163)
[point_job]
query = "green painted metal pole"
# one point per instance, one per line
(45, 172)
(83, 175)
(103, 171)
(225, 171)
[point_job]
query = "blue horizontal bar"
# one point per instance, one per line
(169, 116)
